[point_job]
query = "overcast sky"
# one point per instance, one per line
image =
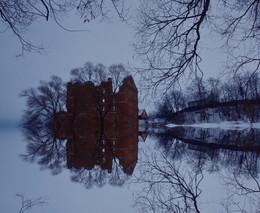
(108, 43)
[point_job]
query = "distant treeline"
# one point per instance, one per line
(233, 99)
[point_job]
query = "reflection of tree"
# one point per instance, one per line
(231, 153)
(171, 176)
(213, 148)
(95, 163)
(100, 177)
(45, 148)
(244, 190)
(101, 125)
(168, 186)
(27, 203)
(38, 124)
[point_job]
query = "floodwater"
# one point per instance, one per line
(172, 170)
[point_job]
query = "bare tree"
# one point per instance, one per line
(170, 36)
(44, 148)
(239, 26)
(104, 83)
(244, 189)
(251, 84)
(236, 164)
(168, 186)
(178, 99)
(89, 72)
(39, 124)
(169, 33)
(27, 203)
(196, 90)
(241, 86)
(44, 102)
(99, 73)
(17, 16)
(213, 86)
(164, 109)
(100, 177)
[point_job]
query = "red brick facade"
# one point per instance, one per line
(101, 125)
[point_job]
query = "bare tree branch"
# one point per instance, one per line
(171, 35)
(27, 203)
(17, 16)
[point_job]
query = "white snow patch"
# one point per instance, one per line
(222, 125)
(172, 125)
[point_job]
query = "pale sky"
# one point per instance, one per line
(107, 43)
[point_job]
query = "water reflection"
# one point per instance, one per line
(101, 131)
(170, 185)
(172, 176)
(96, 138)
(167, 185)
(214, 138)
(222, 148)
(44, 147)
(98, 157)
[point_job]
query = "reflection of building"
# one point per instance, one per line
(101, 125)
(142, 114)
(88, 152)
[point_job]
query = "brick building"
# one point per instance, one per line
(101, 125)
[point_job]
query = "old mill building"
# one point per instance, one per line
(101, 124)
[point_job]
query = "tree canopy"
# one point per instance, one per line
(98, 73)
(171, 35)
(18, 15)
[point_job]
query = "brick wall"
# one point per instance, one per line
(101, 125)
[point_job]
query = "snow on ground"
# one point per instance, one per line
(222, 125)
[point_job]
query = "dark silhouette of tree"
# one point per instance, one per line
(241, 87)
(27, 203)
(99, 73)
(164, 110)
(18, 16)
(89, 72)
(182, 153)
(39, 124)
(100, 177)
(103, 99)
(167, 185)
(170, 36)
(178, 99)
(44, 147)
(44, 102)
(244, 189)
(233, 98)
(213, 85)
(196, 90)
(173, 101)
(206, 148)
